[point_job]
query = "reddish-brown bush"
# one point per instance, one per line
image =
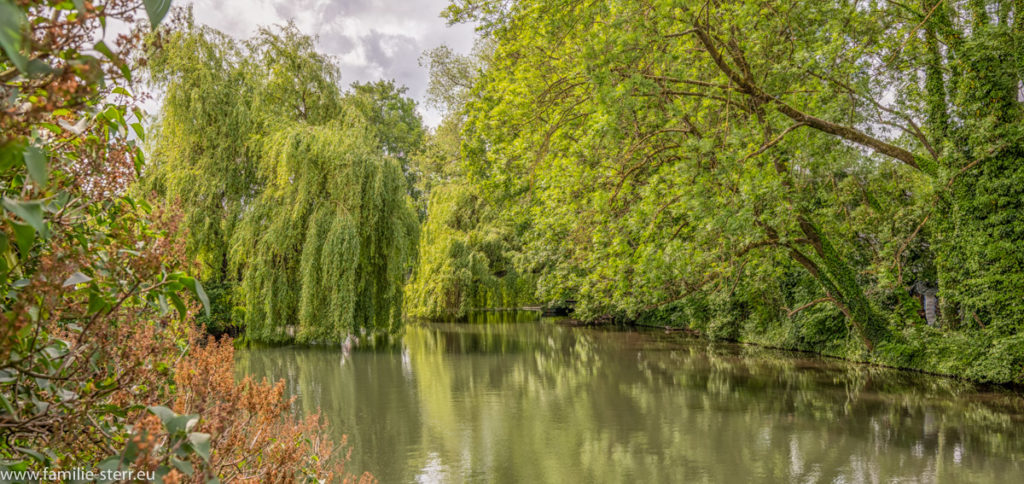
(254, 436)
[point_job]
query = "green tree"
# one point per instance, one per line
(392, 117)
(326, 246)
(467, 250)
(301, 228)
(465, 259)
(762, 168)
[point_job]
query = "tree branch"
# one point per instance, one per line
(842, 131)
(789, 314)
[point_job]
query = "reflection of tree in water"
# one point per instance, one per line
(509, 401)
(362, 398)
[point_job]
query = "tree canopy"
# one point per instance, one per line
(796, 174)
(293, 190)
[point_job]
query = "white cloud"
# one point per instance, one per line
(371, 39)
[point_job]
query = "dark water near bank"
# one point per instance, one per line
(527, 401)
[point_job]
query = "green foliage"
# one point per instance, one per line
(452, 75)
(325, 246)
(391, 116)
(294, 193)
(206, 131)
(93, 295)
(980, 234)
(464, 259)
(176, 454)
(221, 98)
(788, 174)
(394, 122)
(467, 250)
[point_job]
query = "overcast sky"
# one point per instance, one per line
(371, 39)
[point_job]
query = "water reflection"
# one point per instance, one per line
(510, 400)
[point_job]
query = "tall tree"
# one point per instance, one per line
(299, 227)
(674, 154)
(392, 116)
(326, 245)
(221, 98)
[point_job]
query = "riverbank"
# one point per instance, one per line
(498, 399)
(982, 356)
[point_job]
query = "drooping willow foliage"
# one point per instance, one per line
(464, 260)
(299, 215)
(201, 149)
(325, 245)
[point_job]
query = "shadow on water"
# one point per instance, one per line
(507, 397)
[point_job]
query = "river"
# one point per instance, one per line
(509, 397)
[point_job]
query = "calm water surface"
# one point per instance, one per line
(514, 400)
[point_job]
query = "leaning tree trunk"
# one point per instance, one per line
(840, 283)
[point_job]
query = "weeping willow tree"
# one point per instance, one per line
(325, 245)
(464, 259)
(204, 132)
(299, 216)
(468, 248)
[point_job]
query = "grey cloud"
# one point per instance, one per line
(337, 44)
(347, 7)
(372, 39)
(392, 53)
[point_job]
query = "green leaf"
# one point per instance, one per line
(6, 404)
(173, 422)
(37, 68)
(197, 288)
(140, 161)
(162, 301)
(104, 49)
(96, 302)
(80, 5)
(17, 466)
(112, 463)
(161, 472)
(131, 451)
(178, 304)
(139, 131)
(201, 444)
(35, 161)
(183, 465)
(11, 154)
(163, 413)
(33, 454)
(157, 9)
(11, 20)
(75, 279)
(29, 211)
(24, 236)
(53, 128)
